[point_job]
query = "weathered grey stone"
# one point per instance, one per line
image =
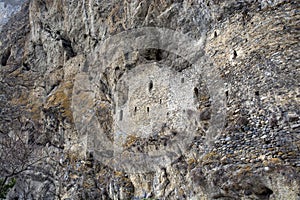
(143, 122)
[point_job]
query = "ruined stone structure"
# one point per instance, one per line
(183, 99)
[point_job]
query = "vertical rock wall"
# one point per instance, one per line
(148, 101)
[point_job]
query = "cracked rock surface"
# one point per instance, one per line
(149, 123)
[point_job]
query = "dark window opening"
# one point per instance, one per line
(234, 54)
(196, 92)
(121, 115)
(165, 143)
(150, 86)
(135, 109)
(182, 80)
(148, 109)
(226, 93)
(174, 133)
(215, 34)
(160, 101)
(257, 93)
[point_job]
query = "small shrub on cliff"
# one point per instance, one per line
(5, 187)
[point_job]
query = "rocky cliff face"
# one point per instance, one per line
(7, 9)
(151, 100)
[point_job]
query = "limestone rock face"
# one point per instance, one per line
(135, 99)
(7, 9)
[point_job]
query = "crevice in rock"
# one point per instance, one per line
(53, 87)
(264, 193)
(67, 45)
(26, 66)
(5, 56)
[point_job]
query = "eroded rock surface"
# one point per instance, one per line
(151, 118)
